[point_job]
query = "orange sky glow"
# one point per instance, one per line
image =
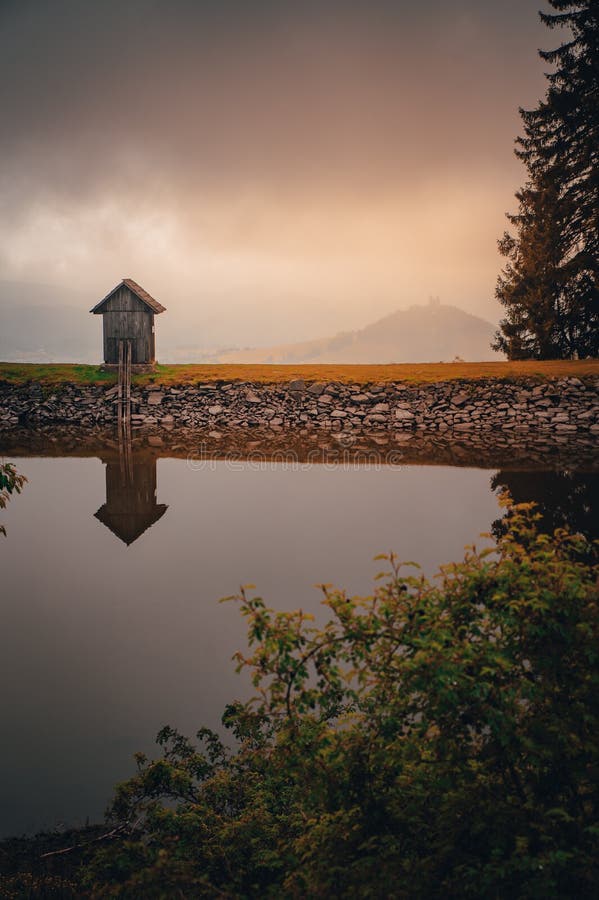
(270, 172)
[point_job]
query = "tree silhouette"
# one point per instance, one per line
(549, 284)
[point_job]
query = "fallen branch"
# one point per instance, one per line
(101, 837)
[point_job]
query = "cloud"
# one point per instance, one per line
(263, 155)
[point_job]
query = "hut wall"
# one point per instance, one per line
(127, 318)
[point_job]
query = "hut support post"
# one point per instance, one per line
(124, 410)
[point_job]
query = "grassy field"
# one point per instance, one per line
(21, 373)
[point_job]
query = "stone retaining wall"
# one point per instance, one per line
(565, 405)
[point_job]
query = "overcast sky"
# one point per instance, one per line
(268, 170)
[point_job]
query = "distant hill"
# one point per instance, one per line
(433, 333)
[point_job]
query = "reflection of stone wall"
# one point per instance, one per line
(558, 406)
(484, 449)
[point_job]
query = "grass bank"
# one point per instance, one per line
(22, 373)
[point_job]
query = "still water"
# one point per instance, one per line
(111, 625)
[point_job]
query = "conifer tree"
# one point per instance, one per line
(549, 286)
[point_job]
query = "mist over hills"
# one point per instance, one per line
(432, 333)
(42, 323)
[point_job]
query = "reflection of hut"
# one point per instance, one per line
(130, 507)
(128, 315)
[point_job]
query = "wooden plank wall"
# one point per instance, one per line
(127, 318)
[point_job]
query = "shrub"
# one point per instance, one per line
(433, 739)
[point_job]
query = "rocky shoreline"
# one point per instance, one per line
(559, 406)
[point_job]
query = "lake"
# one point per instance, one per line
(112, 570)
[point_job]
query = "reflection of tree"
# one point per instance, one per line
(564, 498)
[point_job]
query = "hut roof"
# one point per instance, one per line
(139, 292)
(128, 526)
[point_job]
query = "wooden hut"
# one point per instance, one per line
(128, 314)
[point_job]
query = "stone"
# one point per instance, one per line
(298, 385)
(459, 399)
(560, 410)
(154, 440)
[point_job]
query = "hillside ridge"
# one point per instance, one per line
(436, 333)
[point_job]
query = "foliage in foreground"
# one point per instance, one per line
(435, 739)
(47, 866)
(11, 482)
